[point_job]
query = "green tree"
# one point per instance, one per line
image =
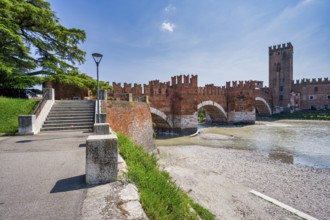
(33, 43)
(80, 80)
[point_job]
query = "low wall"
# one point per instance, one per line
(31, 124)
(132, 119)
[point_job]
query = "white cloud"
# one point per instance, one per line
(170, 8)
(167, 26)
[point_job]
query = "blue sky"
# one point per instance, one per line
(219, 40)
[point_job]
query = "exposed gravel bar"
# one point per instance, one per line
(220, 179)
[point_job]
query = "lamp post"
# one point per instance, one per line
(97, 58)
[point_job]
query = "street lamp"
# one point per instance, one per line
(97, 58)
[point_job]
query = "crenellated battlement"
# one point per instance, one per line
(211, 89)
(241, 84)
(184, 80)
(127, 88)
(280, 47)
(155, 87)
(312, 81)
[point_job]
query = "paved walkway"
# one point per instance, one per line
(42, 176)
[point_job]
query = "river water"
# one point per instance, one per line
(289, 141)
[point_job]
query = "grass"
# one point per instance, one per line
(310, 115)
(160, 197)
(10, 109)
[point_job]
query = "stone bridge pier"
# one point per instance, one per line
(173, 104)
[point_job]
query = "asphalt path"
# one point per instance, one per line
(42, 176)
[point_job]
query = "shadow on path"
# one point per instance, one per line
(70, 184)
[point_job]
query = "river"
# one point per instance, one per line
(289, 141)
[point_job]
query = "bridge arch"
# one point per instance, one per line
(263, 107)
(215, 112)
(161, 120)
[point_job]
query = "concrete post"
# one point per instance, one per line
(103, 94)
(130, 97)
(101, 128)
(48, 93)
(103, 117)
(26, 124)
(101, 159)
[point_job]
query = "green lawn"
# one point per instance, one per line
(10, 109)
(160, 197)
(310, 115)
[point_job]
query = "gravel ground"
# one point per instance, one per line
(220, 179)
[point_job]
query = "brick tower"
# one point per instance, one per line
(281, 73)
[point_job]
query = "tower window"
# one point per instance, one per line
(316, 89)
(311, 97)
(328, 97)
(281, 88)
(281, 97)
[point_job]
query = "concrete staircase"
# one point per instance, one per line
(70, 115)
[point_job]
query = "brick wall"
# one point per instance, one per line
(313, 93)
(132, 119)
(67, 91)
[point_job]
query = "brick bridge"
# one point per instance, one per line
(174, 104)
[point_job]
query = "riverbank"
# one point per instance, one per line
(220, 179)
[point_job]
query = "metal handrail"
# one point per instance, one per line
(42, 103)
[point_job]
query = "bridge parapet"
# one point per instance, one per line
(156, 88)
(120, 92)
(211, 89)
(241, 84)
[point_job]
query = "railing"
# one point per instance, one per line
(42, 103)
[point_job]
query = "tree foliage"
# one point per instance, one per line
(34, 43)
(80, 80)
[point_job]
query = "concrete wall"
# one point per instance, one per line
(31, 124)
(132, 119)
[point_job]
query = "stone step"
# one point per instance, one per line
(70, 110)
(73, 107)
(70, 115)
(52, 114)
(88, 128)
(68, 118)
(75, 101)
(68, 124)
(69, 121)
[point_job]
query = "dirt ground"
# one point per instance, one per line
(221, 179)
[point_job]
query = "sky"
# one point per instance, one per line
(219, 40)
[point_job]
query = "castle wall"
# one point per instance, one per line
(313, 94)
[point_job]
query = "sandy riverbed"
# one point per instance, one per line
(220, 179)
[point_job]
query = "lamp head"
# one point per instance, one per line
(97, 57)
